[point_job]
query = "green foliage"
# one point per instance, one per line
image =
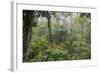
(74, 46)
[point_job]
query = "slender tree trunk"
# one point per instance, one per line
(50, 32)
(71, 28)
(82, 31)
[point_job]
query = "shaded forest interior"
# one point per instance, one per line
(56, 36)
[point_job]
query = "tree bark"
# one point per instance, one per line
(50, 32)
(27, 33)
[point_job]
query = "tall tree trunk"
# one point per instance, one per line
(27, 33)
(71, 28)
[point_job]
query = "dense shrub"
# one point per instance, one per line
(67, 43)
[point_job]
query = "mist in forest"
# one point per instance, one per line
(56, 36)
